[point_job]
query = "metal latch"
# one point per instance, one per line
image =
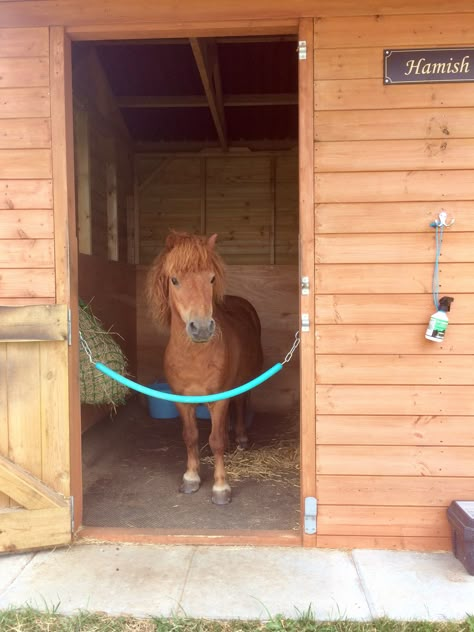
(305, 286)
(305, 322)
(310, 513)
(301, 49)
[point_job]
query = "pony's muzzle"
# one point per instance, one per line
(201, 330)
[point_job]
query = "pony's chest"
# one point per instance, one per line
(195, 370)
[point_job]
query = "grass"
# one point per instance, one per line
(29, 620)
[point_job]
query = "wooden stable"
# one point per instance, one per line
(387, 440)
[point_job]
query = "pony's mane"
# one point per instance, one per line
(183, 253)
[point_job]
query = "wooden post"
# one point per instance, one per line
(82, 155)
(112, 208)
(307, 262)
(203, 196)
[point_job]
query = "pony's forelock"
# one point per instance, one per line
(183, 253)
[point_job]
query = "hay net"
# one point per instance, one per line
(97, 388)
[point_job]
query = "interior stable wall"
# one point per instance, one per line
(395, 431)
(249, 198)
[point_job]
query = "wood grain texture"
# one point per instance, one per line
(394, 430)
(385, 309)
(33, 323)
(26, 224)
(26, 253)
(26, 194)
(395, 543)
(396, 124)
(33, 529)
(394, 400)
(27, 283)
(25, 163)
(19, 72)
(25, 133)
(24, 42)
(24, 103)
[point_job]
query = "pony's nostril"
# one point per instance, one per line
(193, 327)
(212, 325)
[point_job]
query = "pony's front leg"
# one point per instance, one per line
(191, 478)
(221, 492)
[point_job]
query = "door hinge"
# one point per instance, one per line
(304, 322)
(304, 286)
(310, 513)
(301, 49)
(69, 326)
(71, 502)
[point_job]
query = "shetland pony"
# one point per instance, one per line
(214, 345)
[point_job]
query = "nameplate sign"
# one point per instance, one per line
(428, 65)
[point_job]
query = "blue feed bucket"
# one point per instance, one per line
(162, 409)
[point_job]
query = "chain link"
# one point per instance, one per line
(290, 353)
(86, 347)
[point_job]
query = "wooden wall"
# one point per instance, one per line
(395, 426)
(104, 162)
(250, 200)
(273, 290)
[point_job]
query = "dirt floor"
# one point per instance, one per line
(132, 469)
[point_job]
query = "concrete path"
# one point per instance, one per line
(238, 582)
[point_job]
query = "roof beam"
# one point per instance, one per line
(205, 55)
(198, 101)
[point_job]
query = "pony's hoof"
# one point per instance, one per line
(189, 486)
(242, 444)
(221, 497)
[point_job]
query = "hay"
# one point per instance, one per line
(278, 461)
(97, 388)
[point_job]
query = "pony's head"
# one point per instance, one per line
(187, 278)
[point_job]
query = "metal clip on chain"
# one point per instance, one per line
(290, 353)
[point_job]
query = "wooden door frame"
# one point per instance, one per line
(304, 29)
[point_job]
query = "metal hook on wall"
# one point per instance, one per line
(443, 216)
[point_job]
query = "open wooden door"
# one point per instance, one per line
(37, 363)
(34, 427)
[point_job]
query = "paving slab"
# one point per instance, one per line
(415, 586)
(118, 579)
(259, 583)
(10, 567)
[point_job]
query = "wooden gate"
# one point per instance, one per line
(34, 427)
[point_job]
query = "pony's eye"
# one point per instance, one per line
(174, 280)
(213, 279)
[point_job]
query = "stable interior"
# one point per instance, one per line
(196, 135)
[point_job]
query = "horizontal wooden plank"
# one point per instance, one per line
(24, 529)
(26, 224)
(394, 155)
(401, 186)
(354, 520)
(25, 163)
(385, 339)
(171, 19)
(26, 253)
(394, 400)
(21, 72)
(33, 323)
(395, 543)
(27, 301)
(416, 491)
(396, 369)
(426, 123)
(25, 133)
(24, 488)
(372, 94)
(24, 103)
(394, 430)
(388, 278)
(348, 63)
(24, 42)
(393, 248)
(413, 309)
(395, 31)
(394, 460)
(26, 284)
(26, 194)
(391, 217)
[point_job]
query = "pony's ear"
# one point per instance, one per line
(211, 242)
(171, 240)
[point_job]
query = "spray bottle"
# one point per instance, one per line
(439, 320)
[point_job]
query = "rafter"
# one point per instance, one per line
(198, 101)
(205, 55)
